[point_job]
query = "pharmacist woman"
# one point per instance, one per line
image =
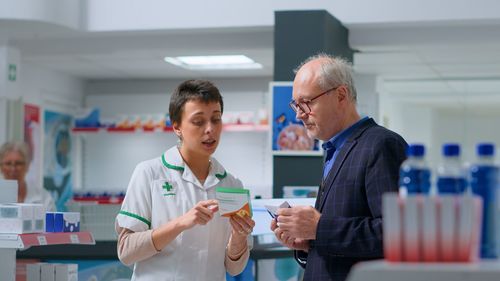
(168, 225)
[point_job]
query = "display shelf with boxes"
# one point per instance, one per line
(249, 127)
(26, 240)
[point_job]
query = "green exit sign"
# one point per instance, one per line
(12, 72)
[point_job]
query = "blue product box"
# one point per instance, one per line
(71, 221)
(62, 222)
(54, 222)
(49, 222)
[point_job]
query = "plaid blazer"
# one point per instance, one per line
(350, 199)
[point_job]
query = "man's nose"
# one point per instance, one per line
(299, 114)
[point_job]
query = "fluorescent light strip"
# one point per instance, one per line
(214, 62)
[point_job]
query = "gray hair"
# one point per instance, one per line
(15, 146)
(335, 71)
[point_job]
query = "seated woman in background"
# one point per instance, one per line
(14, 166)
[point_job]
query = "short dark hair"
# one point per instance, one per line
(192, 90)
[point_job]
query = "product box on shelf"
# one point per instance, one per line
(34, 271)
(53, 222)
(71, 221)
(48, 271)
(38, 216)
(62, 222)
(16, 218)
(66, 272)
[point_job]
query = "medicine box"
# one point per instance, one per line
(33, 271)
(66, 272)
(16, 218)
(48, 271)
(62, 222)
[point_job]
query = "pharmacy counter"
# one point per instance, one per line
(382, 270)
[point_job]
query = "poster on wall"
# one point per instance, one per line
(33, 138)
(289, 134)
(57, 178)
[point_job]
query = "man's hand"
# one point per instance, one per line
(298, 222)
(288, 241)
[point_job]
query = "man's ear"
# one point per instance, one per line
(342, 94)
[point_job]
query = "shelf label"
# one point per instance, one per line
(74, 239)
(42, 240)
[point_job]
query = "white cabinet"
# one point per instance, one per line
(10, 243)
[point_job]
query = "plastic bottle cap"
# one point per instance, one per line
(485, 149)
(451, 149)
(415, 150)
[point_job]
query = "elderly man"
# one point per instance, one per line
(361, 163)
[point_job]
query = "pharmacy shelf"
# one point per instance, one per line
(226, 128)
(23, 241)
(484, 270)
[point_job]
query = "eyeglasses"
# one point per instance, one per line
(13, 164)
(303, 105)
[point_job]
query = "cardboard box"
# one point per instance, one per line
(54, 222)
(38, 224)
(71, 221)
(66, 272)
(62, 222)
(16, 218)
(48, 272)
(34, 271)
(233, 201)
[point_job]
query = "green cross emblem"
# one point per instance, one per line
(167, 186)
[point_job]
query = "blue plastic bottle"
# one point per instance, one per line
(414, 174)
(450, 173)
(484, 182)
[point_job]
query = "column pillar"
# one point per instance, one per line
(298, 35)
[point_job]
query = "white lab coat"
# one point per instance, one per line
(163, 189)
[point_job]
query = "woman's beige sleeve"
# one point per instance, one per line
(133, 247)
(235, 267)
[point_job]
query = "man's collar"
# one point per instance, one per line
(339, 138)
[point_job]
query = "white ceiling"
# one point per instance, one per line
(122, 55)
(441, 57)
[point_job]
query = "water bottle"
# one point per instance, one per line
(414, 174)
(484, 182)
(450, 173)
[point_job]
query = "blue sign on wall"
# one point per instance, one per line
(289, 134)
